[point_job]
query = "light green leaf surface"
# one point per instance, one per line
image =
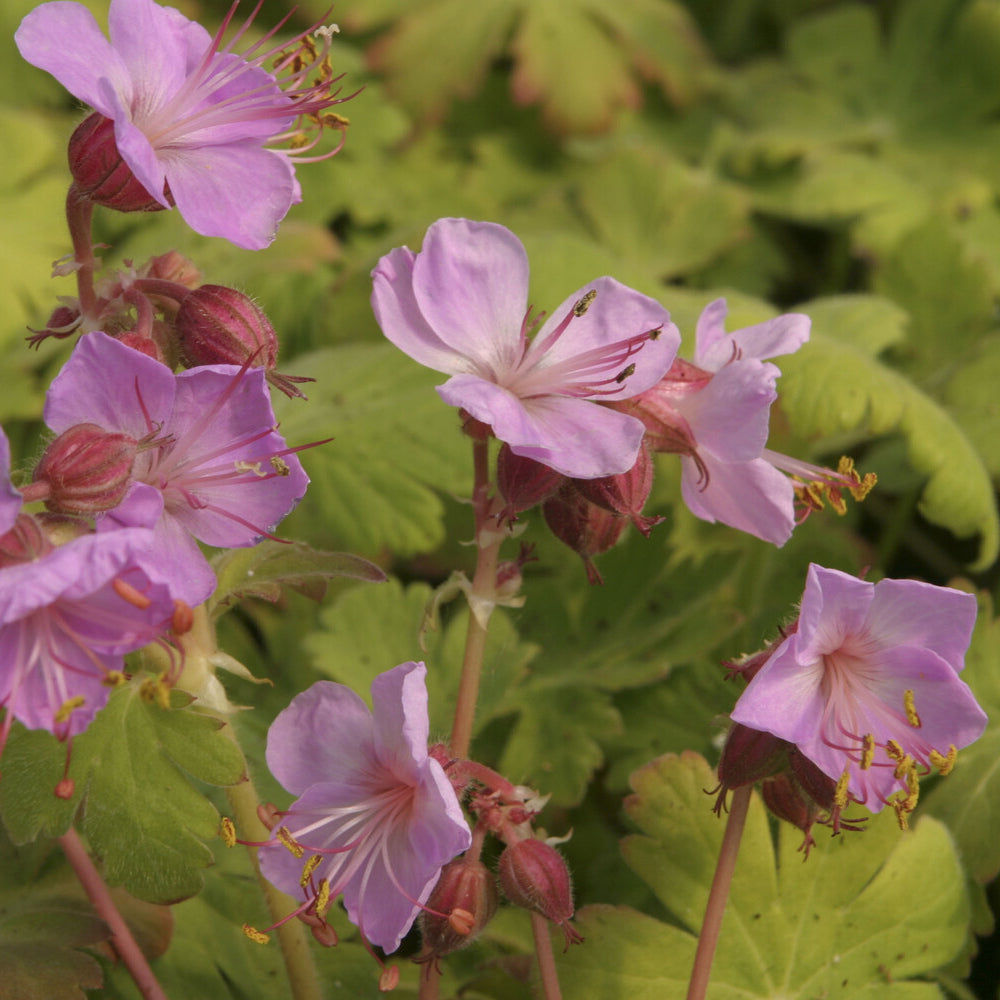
(854, 919)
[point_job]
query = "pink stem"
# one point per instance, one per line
(79, 214)
(719, 893)
(121, 937)
(546, 959)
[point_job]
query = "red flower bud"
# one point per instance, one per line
(523, 482)
(586, 528)
(784, 797)
(26, 541)
(750, 755)
(465, 900)
(219, 325)
(174, 267)
(534, 875)
(99, 171)
(64, 321)
(86, 470)
(625, 494)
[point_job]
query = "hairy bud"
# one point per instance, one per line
(100, 173)
(586, 528)
(523, 482)
(534, 876)
(86, 469)
(625, 494)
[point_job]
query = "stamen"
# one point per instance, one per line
(461, 921)
(68, 707)
(308, 868)
(904, 767)
(867, 751)
(584, 303)
(840, 792)
(114, 678)
(323, 898)
(227, 831)
(255, 935)
(286, 840)
(128, 593)
(911, 709)
(625, 373)
(894, 750)
(944, 763)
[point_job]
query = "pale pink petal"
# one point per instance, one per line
(63, 39)
(616, 313)
(835, 605)
(784, 334)
(150, 40)
(911, 613)
(238, 191)
(10, 498)
(342, 743)
(137, 151)
(401, 320)
(470, 282)
(401, 727)
(576, 437)
(750, 496)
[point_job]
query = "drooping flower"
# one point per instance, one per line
(210, 465)
(10, 498)
(193, 121)
(66, 620)
(714, 412)
(460, 307)
(867, 686)
(377, 817)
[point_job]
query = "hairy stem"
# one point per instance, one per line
(719, 893)
(546, 959)
(121, 937)
(483, 591)
(79, 215)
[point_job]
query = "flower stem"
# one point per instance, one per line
(711, 925)
(121, 937)
(79, 215)
(292, 935)
(482, 593)
(546, 958)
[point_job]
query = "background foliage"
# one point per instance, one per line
(836, 158)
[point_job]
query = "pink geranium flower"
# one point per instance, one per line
(460, 306)
(211, 464)
(867, 686)
(374, 808)
(66, 620)
(194, 121)
(714, 412)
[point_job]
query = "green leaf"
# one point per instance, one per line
(394, 444)
(851, 919)
(831, 387)
(44, 920)
(263, 570)
(131, 768)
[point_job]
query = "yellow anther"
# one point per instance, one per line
(913, 789)
(911, 709)
(904, 767)
(279, 465)
(323, 897)
(899, 805)
(944, 763)
(840, 792)
(227, 831)
(836, 499)
(288, 841)
(867, 751)
(114, 678)
(68, 707)
(584, 303)
(255, 935)
(862, 485)
(893, 750)
(308, 868)
(299, 141)
(332, 120)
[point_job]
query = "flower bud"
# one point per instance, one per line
(64, 321)
(100, 173)
(625, 494)
(86, 469)
(751, 755)
(465, 899)
(219, 325)
(534, 875)
(586, 528)
(174, 267)
(523, 482)
(26, 541)
(784, 797)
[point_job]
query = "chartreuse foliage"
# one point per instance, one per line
(132, 770)
(862, 915)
